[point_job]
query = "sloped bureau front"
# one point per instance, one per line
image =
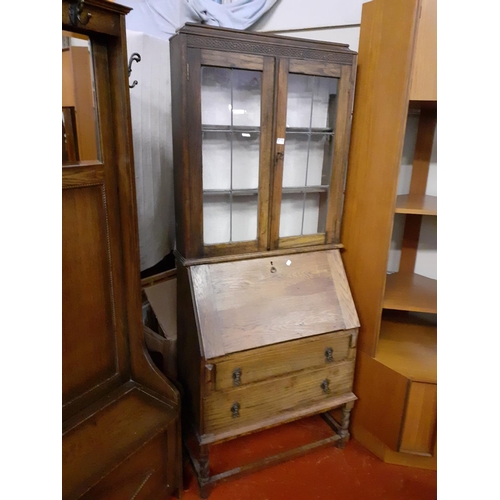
(253, 303)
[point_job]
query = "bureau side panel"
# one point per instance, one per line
(188, 348)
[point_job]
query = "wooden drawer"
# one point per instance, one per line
(255, 365)
(263, 400)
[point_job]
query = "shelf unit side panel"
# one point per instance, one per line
(424, 72)
(380, 110)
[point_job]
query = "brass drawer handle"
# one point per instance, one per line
(235, 410)
(237, 376)
(325, 386)
(329, 355)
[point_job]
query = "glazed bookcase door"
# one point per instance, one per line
(313, 120)
(231, 139)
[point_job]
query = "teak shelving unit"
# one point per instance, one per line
(396, 375)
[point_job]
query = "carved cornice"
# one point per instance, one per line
(267, 49)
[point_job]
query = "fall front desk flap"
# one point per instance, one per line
(253, 303)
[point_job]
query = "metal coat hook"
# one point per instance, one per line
(75, 13)
(137, 58)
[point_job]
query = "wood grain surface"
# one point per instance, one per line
(279, 359)
(263, 400)
(244, 305)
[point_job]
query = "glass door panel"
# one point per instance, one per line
(308, 154)
(231, 111)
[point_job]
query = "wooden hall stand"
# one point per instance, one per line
(396, 379)
(120, 415)
(267, 328)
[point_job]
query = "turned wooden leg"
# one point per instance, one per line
(344, 426)
(204, 476)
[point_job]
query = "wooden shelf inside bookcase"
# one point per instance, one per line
(408, 345)
(410, 292)
(416, 204)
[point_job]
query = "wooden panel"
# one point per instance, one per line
(195, 169)
(266, 151)
(408, 345)
(382, 396)
(279, 151)
(423, 151)
(379, 449)
(253, 303)
(206, 310)
(189, 347)
(267, 399)
(342, 289)
(315, 68)
(293, 241)
(231, 60)
(141, 477)
(418, 184)
(255, 255)
(87, 305)
(410, 292)
(280, 359)
(82, 176)
(104, 18)
(345, 96)
(379, 120)
(93, 447)
(424, 72)
(235, 247)
(409, 246)
(416, 204)
(180, 143)
(68, 87)
(278, 419)
(419, 428)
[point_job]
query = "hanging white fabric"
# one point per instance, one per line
(150, 25)
(161, 18)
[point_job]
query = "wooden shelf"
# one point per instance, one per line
(408, 345)
(416, 204)
(410, 292)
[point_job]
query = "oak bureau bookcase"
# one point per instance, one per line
(266, 323)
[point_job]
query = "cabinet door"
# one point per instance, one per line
(231, 100)
(313, 122)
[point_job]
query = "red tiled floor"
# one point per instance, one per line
(329, 473)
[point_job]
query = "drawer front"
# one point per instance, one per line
(260, 364)
(247, 405)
